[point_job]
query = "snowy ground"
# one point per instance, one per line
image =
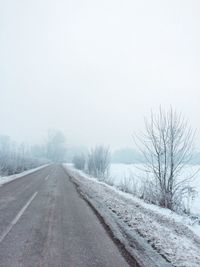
(7, 179)
(174, 237)
(132, 173)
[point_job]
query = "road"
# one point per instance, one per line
(44, 222)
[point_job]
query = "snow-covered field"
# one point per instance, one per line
(7, 179)
(133, 175)
(173, 237)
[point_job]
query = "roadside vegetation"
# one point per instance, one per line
(16, 158)
(166, 147)
(96, 162)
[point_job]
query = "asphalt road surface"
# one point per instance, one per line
(44, 222)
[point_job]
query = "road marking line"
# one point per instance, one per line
(46, 178)
(16, 219)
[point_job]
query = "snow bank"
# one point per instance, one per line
(7, 179)
(157, 232)
(134, 175)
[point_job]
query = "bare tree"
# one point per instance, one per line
(167, 146)
(99, 161)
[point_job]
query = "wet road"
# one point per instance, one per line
(44, 222)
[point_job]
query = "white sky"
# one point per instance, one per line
(93, 69)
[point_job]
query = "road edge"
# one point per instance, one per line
(120, 245)
(136, 251)
(21, 175)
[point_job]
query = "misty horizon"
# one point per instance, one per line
(93, 70)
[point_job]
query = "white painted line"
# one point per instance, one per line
(46, 178)
(16, 219)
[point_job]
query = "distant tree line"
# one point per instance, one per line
(127, 156)
(53, 149)
(15, 158)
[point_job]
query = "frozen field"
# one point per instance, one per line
(132, 175)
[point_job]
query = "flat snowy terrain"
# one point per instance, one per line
(175, 238)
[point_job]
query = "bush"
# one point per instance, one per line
(98, 162)
(79, 162)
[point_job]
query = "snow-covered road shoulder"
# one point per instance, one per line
(10, 178)
(155, 237)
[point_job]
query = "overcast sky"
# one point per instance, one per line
(93, 69)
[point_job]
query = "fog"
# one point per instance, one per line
(94, 69)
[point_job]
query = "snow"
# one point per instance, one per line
(195, 208)
(7, 179)
(133, 174)
(120, 171)
(176, 238)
